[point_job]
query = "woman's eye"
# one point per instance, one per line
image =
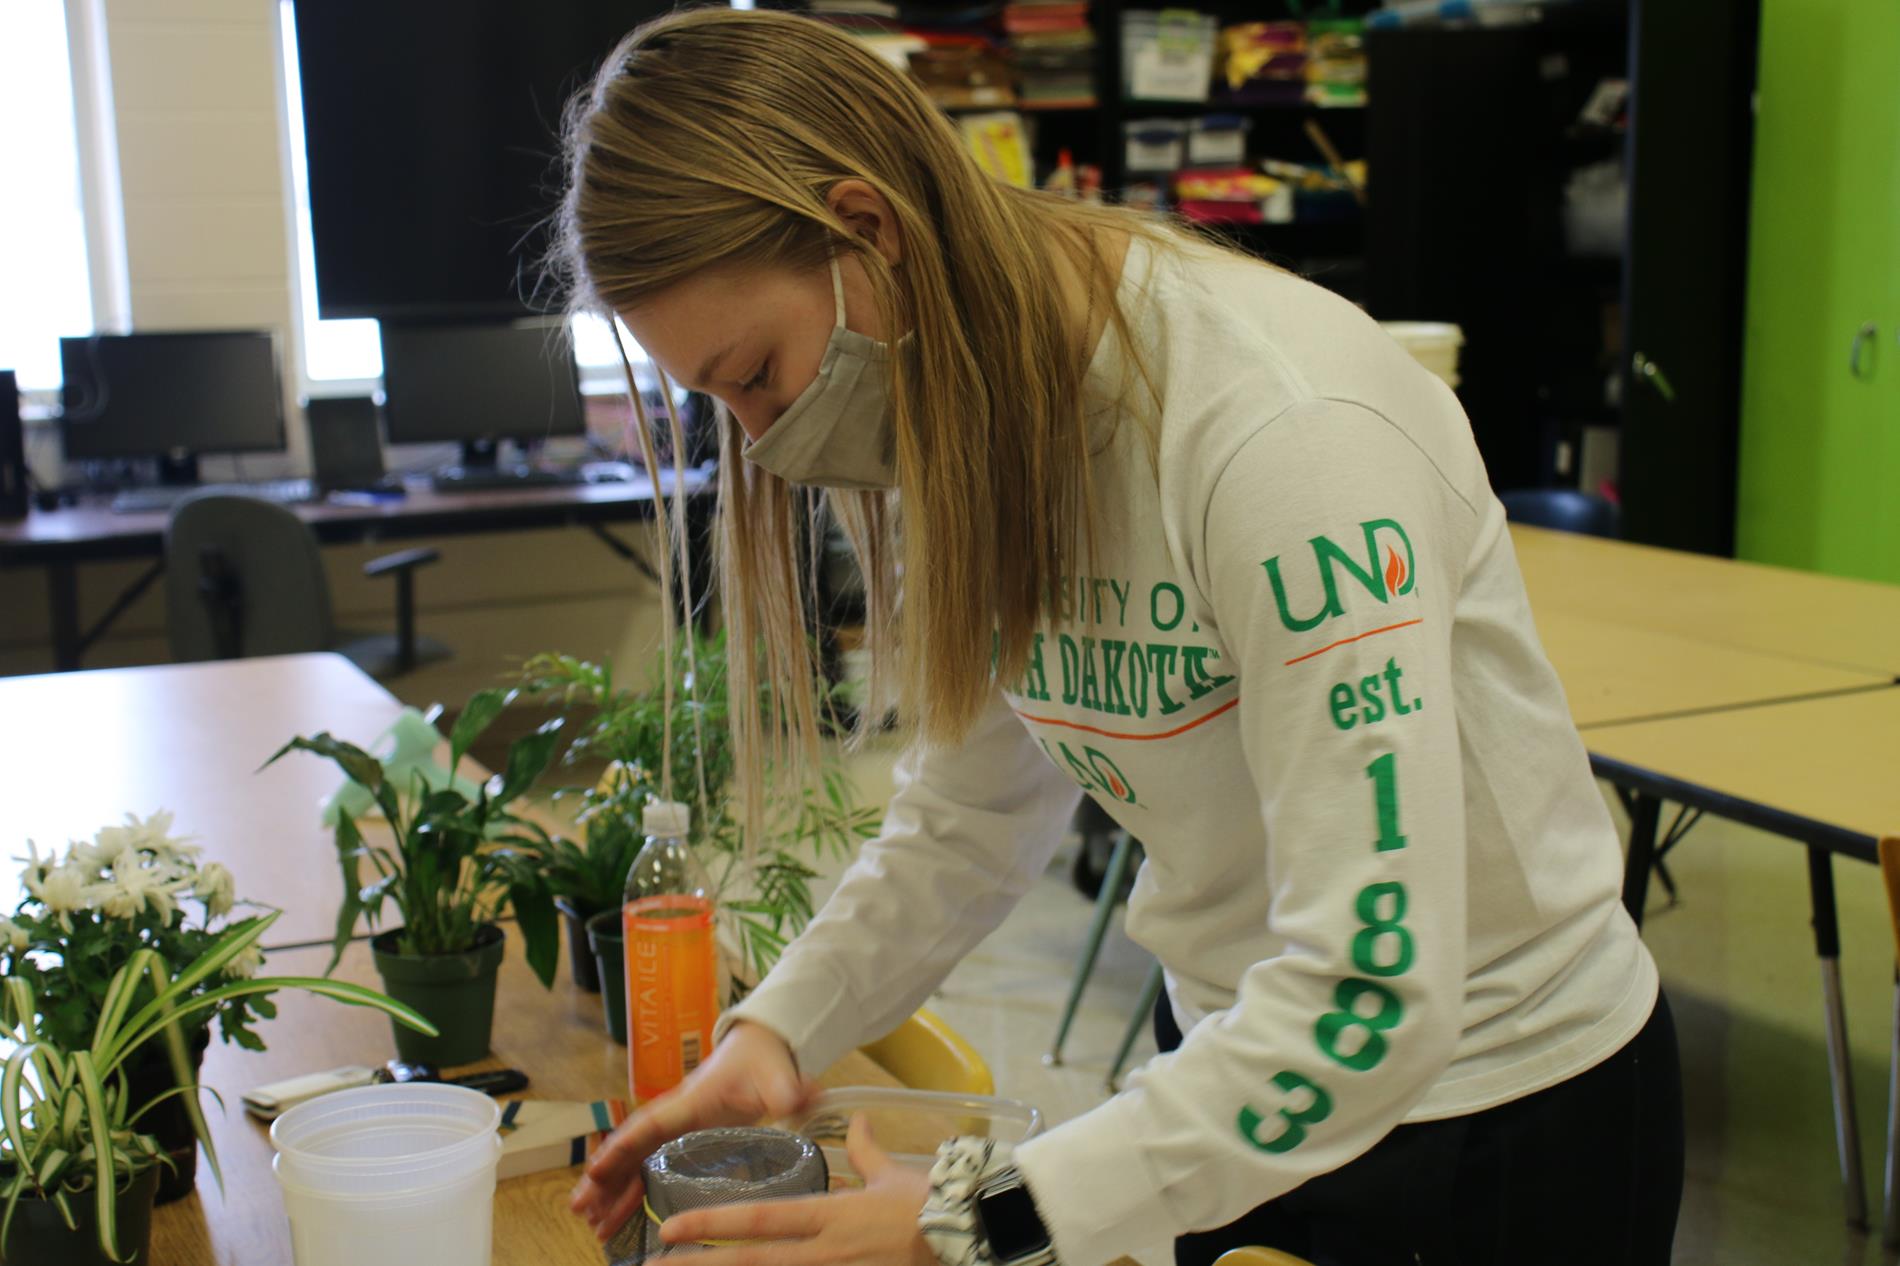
(757, 381)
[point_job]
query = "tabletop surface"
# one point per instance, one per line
(44, 533)
(1613, 672)
(1833, 760)
(81, 750)
(1798, 615)
(555, 1036)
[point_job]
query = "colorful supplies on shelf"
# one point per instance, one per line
(1233, 195)
(1336, 62)
(1167, 54)
(1264, 63)
(1000, 145)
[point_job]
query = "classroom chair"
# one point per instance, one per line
(245, 577)
(1121, 863)
(927, 1054)
(1563, 509)
(1890, 1219)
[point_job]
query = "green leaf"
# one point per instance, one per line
(349, 851)
(322, 986)
(540, 928)
(13, 1086)
(528, 758)
(105, 1199)
(476, 716)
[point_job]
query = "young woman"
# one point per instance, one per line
(1149, 521)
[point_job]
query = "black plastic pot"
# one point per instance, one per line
(39, 1236)
(148, 1077)
(607, 945)
(580, 957)
(454, 992)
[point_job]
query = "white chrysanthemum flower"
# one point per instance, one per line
(247, 964)
(151, 835)
(216, 888)
(135, 885)
(63, 890)
(13, 934)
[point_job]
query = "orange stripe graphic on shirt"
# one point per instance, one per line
(1405, 624)
(1138, 738)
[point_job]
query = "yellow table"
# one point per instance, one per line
(556, 1037)
(1824, 773)
(81, 750)
(1795, 615)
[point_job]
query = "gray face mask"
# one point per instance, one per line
(840, 432)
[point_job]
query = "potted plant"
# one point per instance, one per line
(449, 864)
(76, 1169)
(84, 915)
(764, 894)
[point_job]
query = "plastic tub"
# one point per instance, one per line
(390, 1176)
(909, 1123)
(1434, 344)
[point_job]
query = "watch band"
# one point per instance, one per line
(965, 1170)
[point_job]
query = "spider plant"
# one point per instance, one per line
(69, 1132)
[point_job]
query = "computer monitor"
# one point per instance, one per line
(479, 384)
(171, 396)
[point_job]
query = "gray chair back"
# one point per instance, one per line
(243, 577)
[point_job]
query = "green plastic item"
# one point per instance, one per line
(406, 748)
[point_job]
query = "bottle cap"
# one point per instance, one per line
(667, 817)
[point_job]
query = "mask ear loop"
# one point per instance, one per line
(837, 293)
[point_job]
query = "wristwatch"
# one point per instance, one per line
(1006, 1218)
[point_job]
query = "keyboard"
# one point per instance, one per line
(165, 499)
(482, 479)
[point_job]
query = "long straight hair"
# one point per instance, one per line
(710, 138)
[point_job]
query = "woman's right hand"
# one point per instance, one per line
(751, 1076)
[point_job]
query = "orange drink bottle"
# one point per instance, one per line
(672, 961)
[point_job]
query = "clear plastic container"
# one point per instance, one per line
(390, 1176)
(909, 1124)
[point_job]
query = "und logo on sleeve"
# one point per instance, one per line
(1389, 571)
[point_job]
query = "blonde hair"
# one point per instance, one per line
(711, 138)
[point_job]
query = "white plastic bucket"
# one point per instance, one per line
(1433, 344)
(390, 1176)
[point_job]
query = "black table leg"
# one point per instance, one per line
(1645, 814)
(1827, 947)
(62, 595)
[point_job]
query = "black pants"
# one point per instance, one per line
(1587, 1172)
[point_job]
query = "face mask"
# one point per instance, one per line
(839, 432)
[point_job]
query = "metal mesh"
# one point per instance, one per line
(715, 1167)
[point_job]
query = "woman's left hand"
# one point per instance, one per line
(875, 1226)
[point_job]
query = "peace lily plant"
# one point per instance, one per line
(72, 1135)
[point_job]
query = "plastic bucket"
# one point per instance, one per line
(390, 1176)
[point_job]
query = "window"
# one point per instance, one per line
(336, 353)
(333, 351)
(45, 291)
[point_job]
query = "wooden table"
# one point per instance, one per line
(81, 750)
(1614, 672)
(1823, 773)
(1795, 615)
(59, 540)
(557, 1037)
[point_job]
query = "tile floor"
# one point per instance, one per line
(1736, 956)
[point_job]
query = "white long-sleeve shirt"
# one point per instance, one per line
(1379, 874)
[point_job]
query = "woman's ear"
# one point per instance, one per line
(867, 214)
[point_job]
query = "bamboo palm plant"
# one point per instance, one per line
(69, 1133)
(763, 893)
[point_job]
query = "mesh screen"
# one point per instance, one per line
(715, 1167)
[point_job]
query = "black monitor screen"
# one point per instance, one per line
(153, 395)
(430, 135)
(479, 382)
